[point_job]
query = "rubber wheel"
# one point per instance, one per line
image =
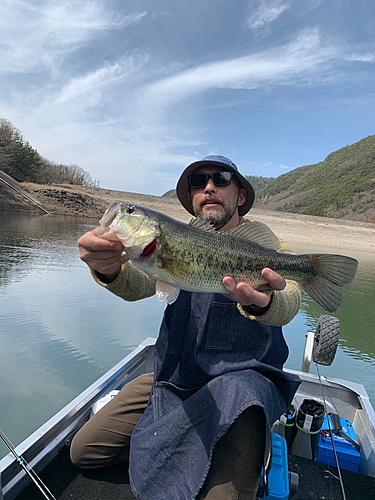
(327, 336)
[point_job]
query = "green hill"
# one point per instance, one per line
(341, 186)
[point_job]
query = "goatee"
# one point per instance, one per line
(213, 217)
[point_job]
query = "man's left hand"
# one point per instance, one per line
(247, 296)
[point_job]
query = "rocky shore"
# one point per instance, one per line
(79, 201)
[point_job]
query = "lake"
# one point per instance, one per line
(60, 331)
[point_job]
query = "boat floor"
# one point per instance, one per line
(66, 482)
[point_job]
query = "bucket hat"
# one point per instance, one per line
(183, 188)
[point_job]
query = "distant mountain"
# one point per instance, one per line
(342, 186)
(170, 194)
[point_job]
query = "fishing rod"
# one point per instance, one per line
(26, 467)
(333, 441)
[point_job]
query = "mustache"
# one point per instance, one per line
(209, 201)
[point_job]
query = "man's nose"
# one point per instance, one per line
(210, 186)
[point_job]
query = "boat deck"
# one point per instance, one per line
(66, 482)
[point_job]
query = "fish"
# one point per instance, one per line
(195, 257)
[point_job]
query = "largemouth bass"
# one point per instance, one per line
(196, 258)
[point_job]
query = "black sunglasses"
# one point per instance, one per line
(197, 181)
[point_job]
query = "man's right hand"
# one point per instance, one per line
(101, 255)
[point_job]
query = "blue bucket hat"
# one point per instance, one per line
(183, 188)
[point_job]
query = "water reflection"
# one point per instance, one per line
(37, 242)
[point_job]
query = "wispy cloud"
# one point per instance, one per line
(86, 85)
(367, 57)
(294, 62)
(266, 12)
(50, 31)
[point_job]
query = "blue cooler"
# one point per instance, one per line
(347, 452)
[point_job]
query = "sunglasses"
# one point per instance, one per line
(197, 181)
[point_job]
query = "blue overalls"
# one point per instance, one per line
(211, 363)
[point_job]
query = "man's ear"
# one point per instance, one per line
(242, 197)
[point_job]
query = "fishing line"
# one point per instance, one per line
(332, 440)
(26, 467)
(234, 211)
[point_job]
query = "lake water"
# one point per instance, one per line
(60, 331)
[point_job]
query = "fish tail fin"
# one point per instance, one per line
(333, 272)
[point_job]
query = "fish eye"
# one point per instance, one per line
(130, 209)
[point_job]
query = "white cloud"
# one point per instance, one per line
(108, 74)
(368, 57)
(265, 167)
(267, 12)
(50, 31)
(294, 63)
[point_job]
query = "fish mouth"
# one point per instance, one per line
(149, 250)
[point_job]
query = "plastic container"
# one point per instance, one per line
(278, 476)
(309, 421)
(347, 454)
(285, 426)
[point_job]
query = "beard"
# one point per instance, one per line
(214, 217)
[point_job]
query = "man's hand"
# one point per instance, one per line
(247, 296)
(101, 255)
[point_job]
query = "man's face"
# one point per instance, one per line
(217, 204)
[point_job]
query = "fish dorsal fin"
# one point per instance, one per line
(257, 232)
(202, 225)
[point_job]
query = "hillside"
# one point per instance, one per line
(342, 186)
(77, 201)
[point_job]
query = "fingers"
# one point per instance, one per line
(247, 296)
(101, 255)
(276, 281)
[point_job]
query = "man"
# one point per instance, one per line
(218, 385)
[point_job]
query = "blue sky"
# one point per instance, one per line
(133, 91)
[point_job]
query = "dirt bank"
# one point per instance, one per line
(295, 228)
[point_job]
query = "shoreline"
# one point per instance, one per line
(320, 232)
(296, 229)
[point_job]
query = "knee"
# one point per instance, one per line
(247, 435)
(78, 452)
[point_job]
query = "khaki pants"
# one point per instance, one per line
(237, 459)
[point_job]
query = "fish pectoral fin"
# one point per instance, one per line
(166, 291)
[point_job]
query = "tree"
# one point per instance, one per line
(17, 157)
(20, 160)
(6, 145)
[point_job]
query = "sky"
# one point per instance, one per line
(133, 91)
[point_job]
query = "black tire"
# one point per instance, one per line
(327, 336)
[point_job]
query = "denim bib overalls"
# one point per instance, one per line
(211, 363)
